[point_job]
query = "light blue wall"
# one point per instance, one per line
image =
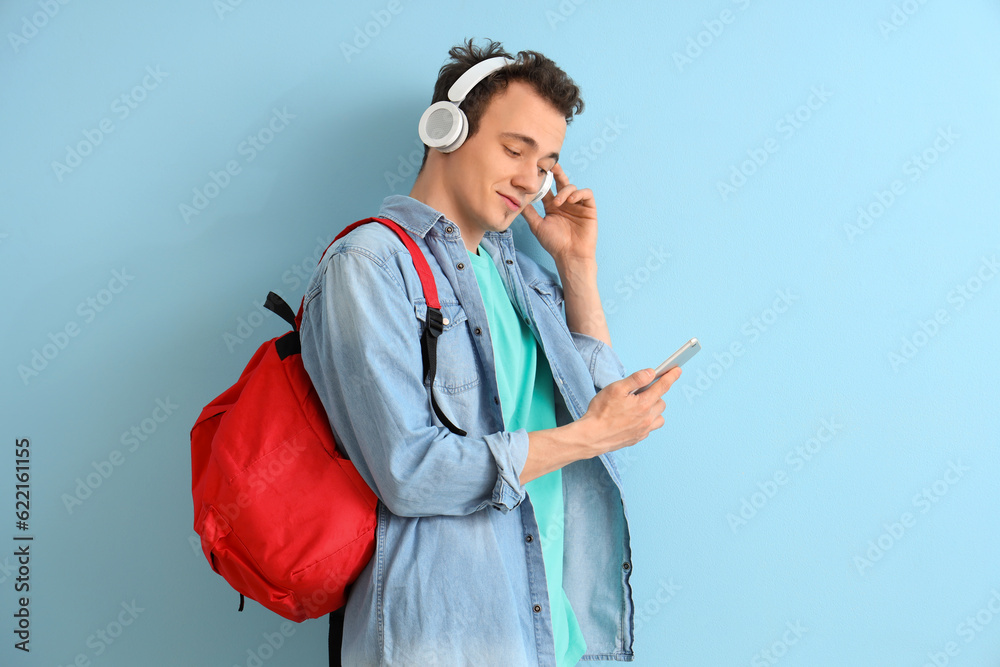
(833, 322)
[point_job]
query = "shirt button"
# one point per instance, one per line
(528, 538)
(478, 331)
(510, 261)
(449, 229)
(461, 266)
(626, 566)
(537, 608)
(496, 399)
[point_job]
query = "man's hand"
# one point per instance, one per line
(616, 419)
(568, 231)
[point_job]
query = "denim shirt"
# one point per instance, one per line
(457, 577)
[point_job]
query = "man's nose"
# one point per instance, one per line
(529, 179)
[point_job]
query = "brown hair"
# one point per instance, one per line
(531, 67)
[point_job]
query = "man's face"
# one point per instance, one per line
(501, 166)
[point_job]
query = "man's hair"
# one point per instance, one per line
(531, 67)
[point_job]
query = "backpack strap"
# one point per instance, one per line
(435, 321)
(419, 263)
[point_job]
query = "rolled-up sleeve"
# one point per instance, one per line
(361, 348)
(602, 361)
(510, 450)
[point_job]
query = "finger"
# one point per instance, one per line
(583, 197)
(532, 218)
(664, 382)
(564, 194)
(638, 380)
(562, 180)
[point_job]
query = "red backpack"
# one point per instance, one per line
(282, 516)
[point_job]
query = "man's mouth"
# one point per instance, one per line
(511, 204)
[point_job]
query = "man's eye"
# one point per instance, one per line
(514, 153)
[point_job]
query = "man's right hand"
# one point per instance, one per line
(615, 418)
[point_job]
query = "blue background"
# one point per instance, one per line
(873, 338)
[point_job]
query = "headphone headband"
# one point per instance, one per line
(474, 75)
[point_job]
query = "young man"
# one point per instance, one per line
(508, 545)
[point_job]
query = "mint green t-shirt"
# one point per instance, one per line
(525, 383)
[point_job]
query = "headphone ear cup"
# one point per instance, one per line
(441, 125)
(463, 132)
(546, 186)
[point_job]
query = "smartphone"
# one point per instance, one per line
(686, 351)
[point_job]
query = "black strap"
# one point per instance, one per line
(288, 345)
(277, 305)
(335, 639)
(428, 343)
(428, 348)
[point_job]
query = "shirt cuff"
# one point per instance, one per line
(602, 361)
(510, 449)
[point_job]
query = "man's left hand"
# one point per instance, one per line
(568, 231)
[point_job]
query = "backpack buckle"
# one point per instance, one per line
(435, 321)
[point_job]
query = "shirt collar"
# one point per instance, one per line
(415, 216)
(410, 214)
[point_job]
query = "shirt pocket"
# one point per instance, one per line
(548, 291)
(551, 295)
(457, 369)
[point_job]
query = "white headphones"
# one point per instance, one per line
(444, 126)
